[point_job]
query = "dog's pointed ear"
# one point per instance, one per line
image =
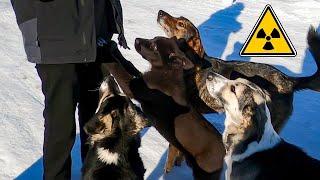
(139, 120)
(255, 115)
(180, 61)
(260, 119)
(109, 87)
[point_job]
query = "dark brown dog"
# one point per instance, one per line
(191, 130)
(203, 150)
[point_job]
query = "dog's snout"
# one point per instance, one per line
(137, 41)
(210, 77)
(92, 127)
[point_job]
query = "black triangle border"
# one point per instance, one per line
(293, 50)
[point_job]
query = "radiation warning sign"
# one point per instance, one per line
(268, 38)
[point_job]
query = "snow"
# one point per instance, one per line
(224, 28)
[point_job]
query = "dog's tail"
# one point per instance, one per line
(311, 82)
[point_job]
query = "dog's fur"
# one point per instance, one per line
(254, 149)
(164, 112)
(182, 28)
(114, 137)
(198, 137)
(280, 86)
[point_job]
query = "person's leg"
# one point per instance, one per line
(90, 78)
(59, 88)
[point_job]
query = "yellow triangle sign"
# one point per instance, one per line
(268, 37)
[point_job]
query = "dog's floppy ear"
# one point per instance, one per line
(179, 61)
(182, 44)
(109, 87)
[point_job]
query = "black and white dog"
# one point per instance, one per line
(114, 137)
(253, 148)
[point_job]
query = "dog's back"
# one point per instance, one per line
(284, 161)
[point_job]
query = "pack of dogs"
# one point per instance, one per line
(182, 84)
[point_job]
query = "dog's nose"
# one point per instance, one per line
(137, 44)
(161, 13)
(210, 76)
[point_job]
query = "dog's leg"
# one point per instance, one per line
(179, 159)
(173, 153)
(121, 75)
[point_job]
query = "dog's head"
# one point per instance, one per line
(246, 111)
(163, 52)
(181, 28)
(115, 114)
(168, 63)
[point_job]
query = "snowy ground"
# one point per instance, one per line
(224, 28)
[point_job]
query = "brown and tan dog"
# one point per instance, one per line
(181, 27)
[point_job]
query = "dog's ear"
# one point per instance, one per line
(256, 116)
(182, 44)
(109, 87)
(180, 61)
(139, 121)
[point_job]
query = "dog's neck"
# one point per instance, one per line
(195, 43)
(269, 139)
(110, 150)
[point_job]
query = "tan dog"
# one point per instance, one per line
(181, 27)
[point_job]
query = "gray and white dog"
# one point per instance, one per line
(253, 148)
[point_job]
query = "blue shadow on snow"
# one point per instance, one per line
(216, 30)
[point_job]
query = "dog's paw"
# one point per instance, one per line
(167, 169)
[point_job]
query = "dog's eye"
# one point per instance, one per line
(181, 24)
(153, 46)
(233, 89)
(114, 114)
